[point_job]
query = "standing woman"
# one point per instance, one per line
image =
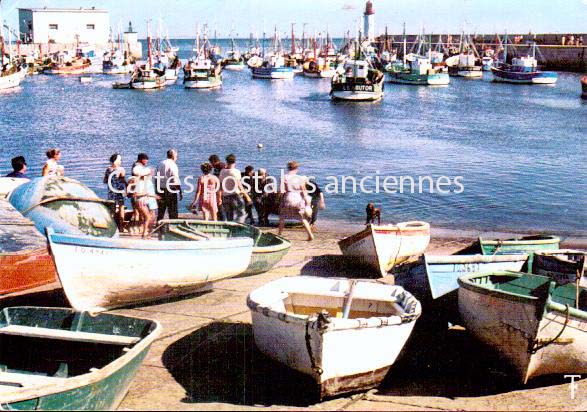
(208, 193)
(295, 199)
(115, 179)
(139, 190)
(52, 166)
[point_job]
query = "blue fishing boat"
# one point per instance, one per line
(273, 72)
(522, 70)
(64, 204)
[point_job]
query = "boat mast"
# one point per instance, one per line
(293, 40)
(149, 43)
(505, 48)
(405, 44)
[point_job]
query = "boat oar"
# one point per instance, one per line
(580, 271)
(349, 300)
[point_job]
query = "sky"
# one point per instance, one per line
(180, 17)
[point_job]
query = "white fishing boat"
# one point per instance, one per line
(11, 76)
(202, 71)
(344, 334)
(146, 76)
(382, 247)
(537, 327)
(273, 66)
(358, 81)
(98, 274)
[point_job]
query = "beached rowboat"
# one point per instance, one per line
(561, 265)
(64, 204)
(24, 260)
(536, 326)
(344, 334)
(268, 249)
(98, 274)
(382, 247)
(523, 244)
(59, 359)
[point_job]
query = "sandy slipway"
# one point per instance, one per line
(206, 357)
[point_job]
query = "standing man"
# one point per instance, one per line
(168, 186)
(18, 168)
(232, 191)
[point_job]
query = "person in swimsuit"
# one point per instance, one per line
(295, 199)
(207, 194)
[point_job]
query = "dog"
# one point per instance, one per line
(372, 214)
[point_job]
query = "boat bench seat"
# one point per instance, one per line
(67, 335)
(10, 380)
(524, 285)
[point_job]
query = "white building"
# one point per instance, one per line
(369, 22)
(64, 25)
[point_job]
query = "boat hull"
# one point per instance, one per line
(12, 80)
(382, 247)
(527, 244)
(537, 77)
(141, 270)
(148, 85)
(470, 74)
(24, 259)
(356, 95)
(560, 265)
(234, 67)
(437, 79)
(535, 337)
(274, 73)
(100, 389)
(340, 355)
(119, 69)
(210, 83)
(268, 249)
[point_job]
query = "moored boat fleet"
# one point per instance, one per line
(525, 297)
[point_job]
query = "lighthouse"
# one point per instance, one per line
(369, 22)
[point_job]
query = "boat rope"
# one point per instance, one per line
(321, 320)
(67, 198)
(537, 345)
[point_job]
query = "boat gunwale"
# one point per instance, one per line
(545, 239)
(466, 282)
(476, 258)
(335, 324)
(68, 384)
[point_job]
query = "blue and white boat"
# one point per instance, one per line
(522, 70)
(98, 274)
(273, 68)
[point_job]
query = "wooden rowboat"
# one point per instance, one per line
(268, 249)
(344, 334)
(561, 265)
(523, 244)
(24, 260)
(382, 247)
(58, 359)
(64, 204)
(103, 273)
(538, 327)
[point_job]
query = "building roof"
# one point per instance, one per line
(55, 10)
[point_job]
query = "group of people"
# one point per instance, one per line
(222, 192)
(572, 40)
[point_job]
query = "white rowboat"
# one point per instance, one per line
(382, 247)
(98, 274)
(300, 322)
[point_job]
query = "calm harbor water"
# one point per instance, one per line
(520, 149)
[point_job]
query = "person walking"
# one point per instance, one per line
(295, 200)
(52, 166)
(115, 179)
(19, 168)
(144, 190)
(260, 196)
(207, 197)
(232, 192)
(168, 186)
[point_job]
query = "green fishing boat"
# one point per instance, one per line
(519, 245)
(61, 359)
(268, 248)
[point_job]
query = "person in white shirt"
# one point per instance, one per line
(232, 192)
(168, 186)
(52, 166)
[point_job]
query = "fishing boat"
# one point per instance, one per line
(468, 66)
(116, 63)
(522, 70)
(382, 247)
(24, 260)
(63, 204)
(358, 82)
(268, 249)
(99, 273)
(564, 265)
(442, 272)
(147, 76)
(11, 75)
(273, 66)
(344, 334)
(63, 63)
(584, 87)
(234, 60)
(58, 359)
(321, 68)
(539, 328)
(202, 71)
(524, 244)
(418, 71)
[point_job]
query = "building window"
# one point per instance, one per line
(91, 26)
(53, 27)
